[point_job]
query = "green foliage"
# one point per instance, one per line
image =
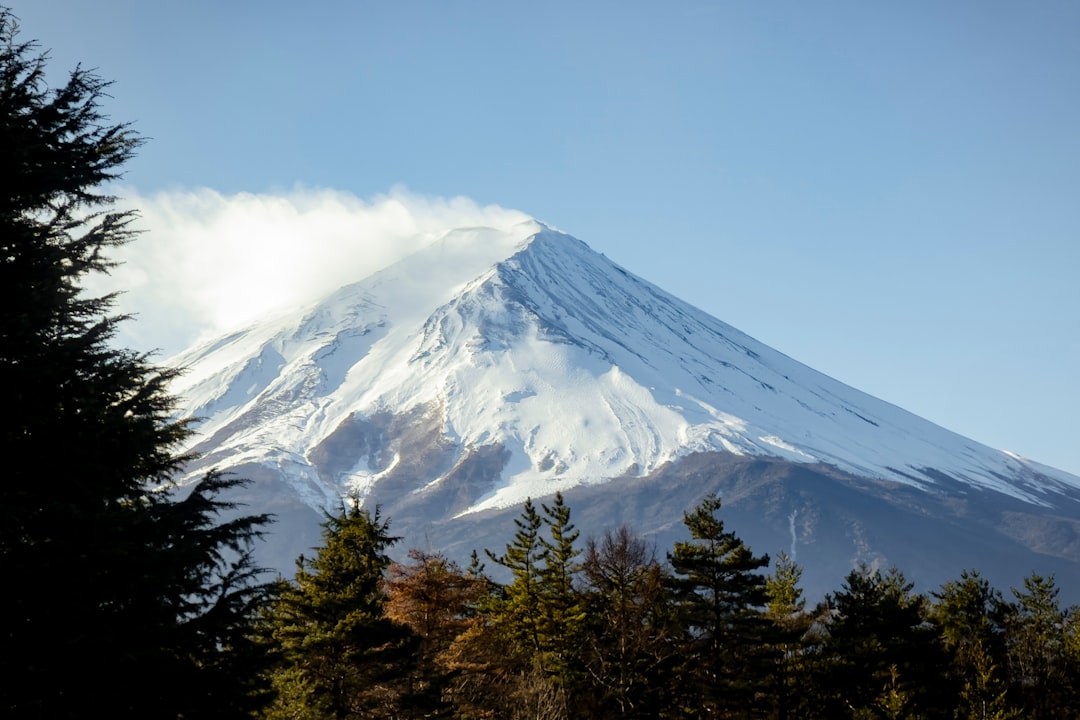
(296, 697)
(518, 613)
(336, 647)
(720, 595)
(540, 611)
(788, 639)
(1045, 673)
(708, 637)
(970, 615)
(984, 695)
(883, 650)
(782, 589)
(562, 611)
(115, 584)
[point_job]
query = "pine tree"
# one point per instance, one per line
(337, 647)
(539, 613)
(971, 616)
(721, 597)
(1041, 670)
(518, 614)
(883, 649)
(562, 611)
(790, 624)
(112, 583)
(984, 695)
(782, 588)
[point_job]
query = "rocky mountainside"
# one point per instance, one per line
(500, 364)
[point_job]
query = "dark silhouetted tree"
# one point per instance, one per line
(884, 653)
(1044, 673)
(119, 598)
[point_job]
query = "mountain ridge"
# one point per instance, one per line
(676, 364)
(499, 364)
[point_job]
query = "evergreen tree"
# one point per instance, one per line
(518, 614)
(788, 638)
(884, 652)
(562, 611)
(782, 589)
(971, 616)
(721, 595)
(337, 648)
(1042, 672)
(984, 695)
(540, 613)
(113, 584)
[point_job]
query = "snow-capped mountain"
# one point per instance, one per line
(500, 364)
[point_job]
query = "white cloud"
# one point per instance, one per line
(209, 262)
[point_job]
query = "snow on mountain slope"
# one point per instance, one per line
(526, 339)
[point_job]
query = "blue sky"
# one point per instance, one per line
(887, 192)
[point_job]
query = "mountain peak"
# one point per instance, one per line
(577, 369)
(497, 364)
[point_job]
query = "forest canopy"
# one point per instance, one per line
(607, 629)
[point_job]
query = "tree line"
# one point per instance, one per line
(606, 629)
(124, 598)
